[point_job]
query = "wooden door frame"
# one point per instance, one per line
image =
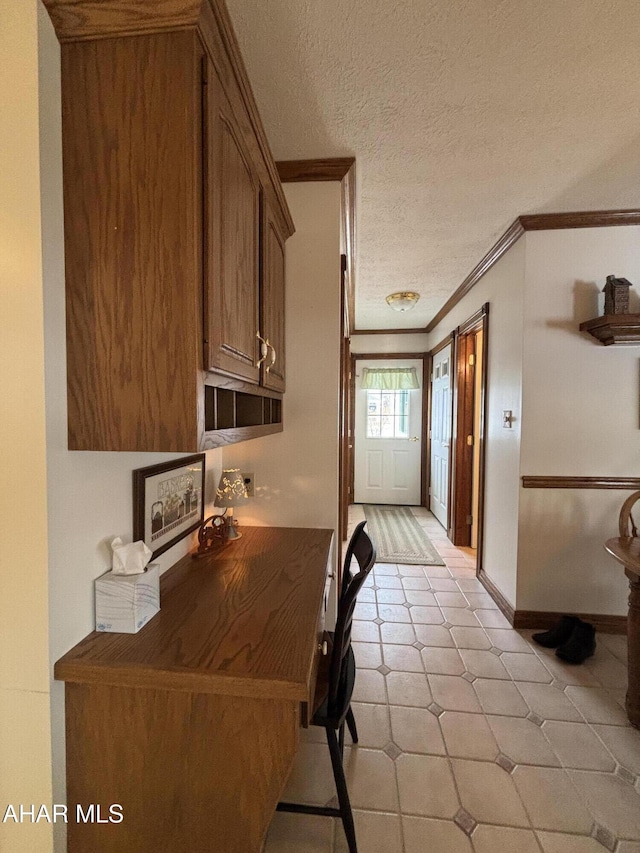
(424, 357)
(461, 484)
(449, 339)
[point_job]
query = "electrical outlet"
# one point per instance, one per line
(248, 481)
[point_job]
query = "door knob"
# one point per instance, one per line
(414, 438)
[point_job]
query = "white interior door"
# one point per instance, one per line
(440, 434)
(388, 440)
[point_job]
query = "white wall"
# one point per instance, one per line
(581, 417)
(89, 494)
(25, 751)
(296, 471)
(389, 343)
(503, 288)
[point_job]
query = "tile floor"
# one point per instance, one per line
(472, 738)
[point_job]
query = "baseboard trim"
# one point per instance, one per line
(497, 596)
(603, 622)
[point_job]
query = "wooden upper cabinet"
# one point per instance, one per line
(272, 291)
(232, 234)
(165, 163)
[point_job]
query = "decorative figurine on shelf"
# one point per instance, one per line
(616, 295)
(223, 528)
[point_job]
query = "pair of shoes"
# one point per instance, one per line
(573, 639)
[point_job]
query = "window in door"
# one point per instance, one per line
(387, 414)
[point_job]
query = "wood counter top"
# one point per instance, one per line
(241, 622)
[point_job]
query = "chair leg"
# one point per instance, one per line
(351, 722)
(341, 788)
(341, 740)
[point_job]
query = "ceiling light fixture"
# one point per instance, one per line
(404, 300)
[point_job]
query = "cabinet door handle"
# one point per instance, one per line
(264, 349)
(273, 356)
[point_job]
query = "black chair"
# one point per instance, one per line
(334, 687)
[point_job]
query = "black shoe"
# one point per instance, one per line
(559, 634)
(580, 646)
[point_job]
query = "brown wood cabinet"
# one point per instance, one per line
(168, 180)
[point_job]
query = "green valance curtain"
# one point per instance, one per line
(390, 378)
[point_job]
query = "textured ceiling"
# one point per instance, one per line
(462, 114)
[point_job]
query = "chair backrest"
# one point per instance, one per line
(365, 554)
(356, 537)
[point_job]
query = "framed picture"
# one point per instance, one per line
(168, 501)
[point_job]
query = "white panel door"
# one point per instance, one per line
(388, 440)
(440, 434)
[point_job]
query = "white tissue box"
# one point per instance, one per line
(124, 603)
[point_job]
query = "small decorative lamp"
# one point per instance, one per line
(616, 295)
(231, 492)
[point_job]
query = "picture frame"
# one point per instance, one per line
(168, 502)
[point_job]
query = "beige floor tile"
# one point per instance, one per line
(623, 743)
(522, 741)
(421, 596)
(461, 617)
(611, 801)
(386, 569)
(570, 674)
(410, 571)
(523, 667)
(299, 833)
(551, 800)
(577, 746)
(372, 721)
(492, 619)
(500, 697)
(434, 635)
(367, 594)
(408, 688)
(548, 702)
(470, 585)
(426, 786)
(504, 839)
(454, 694)
(311, 780)
(436, 836)
(468, 736)
(442, 661)
(444, 585)
(628, 847)
(508, 640)
(314, 734)
(426, 615)
(365, 610)
(393, 613)
(402, 658)
(487, 792)
(388, 582)
(368, 655)
(365, 632)
(437, 571)
(596, 705)
(462, 572)
(390, 596)
(559, 842)
(470, 638)
(376, 832)
(416, 730)
(483, 664)
(371, 779)
(617, 645)
(370, 687)
(606, 667)
(480, 601)
(451, 599)
(397, 632)
(416, 583)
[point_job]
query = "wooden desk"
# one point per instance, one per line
(192, 724)
(626, 550)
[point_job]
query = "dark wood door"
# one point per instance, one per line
(232, 211)
(272, 299)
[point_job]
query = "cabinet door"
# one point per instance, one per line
(232, 212)
(272, 299)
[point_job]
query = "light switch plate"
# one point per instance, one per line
(507, 418)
